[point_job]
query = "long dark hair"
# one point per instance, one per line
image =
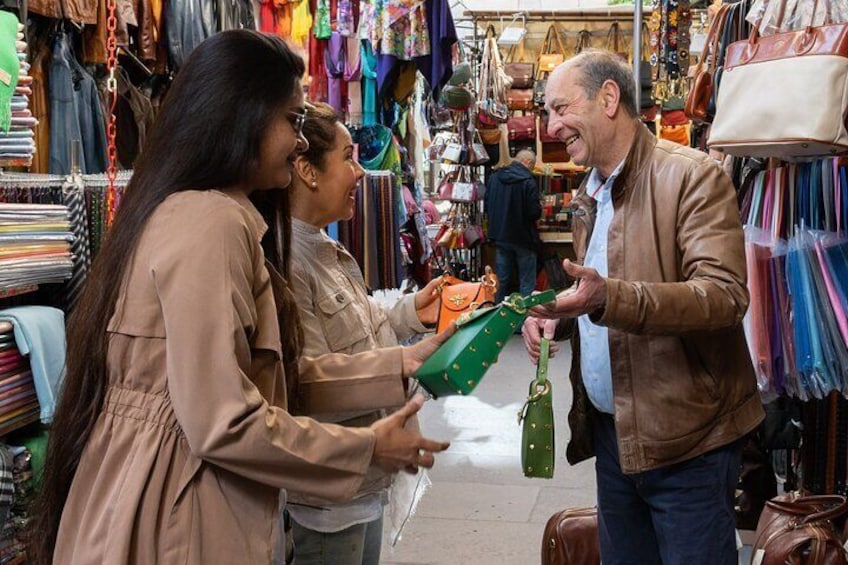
(207, 135)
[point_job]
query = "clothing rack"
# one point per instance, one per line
(85, 198)
(373, 235)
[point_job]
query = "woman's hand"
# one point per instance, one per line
(397, 448)
(415, 355)
(424, 298)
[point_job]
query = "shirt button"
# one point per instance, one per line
(339, 298)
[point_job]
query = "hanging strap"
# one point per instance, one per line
(615, 38)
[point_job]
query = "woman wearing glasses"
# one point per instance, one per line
(171, 441)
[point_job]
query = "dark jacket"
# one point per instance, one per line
(682, 378)
(513, 206)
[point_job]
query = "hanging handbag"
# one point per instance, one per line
(460, 363)
(520, 99)
(492, 108)
(784, 95)
(490, 136)
(446, 184)
(551, 55)
(522, 128)
(798, 530)
(539, 91)
(698, 99)
(477, 154)
(584, 41)
(549, 149)
(522, 72)
(456, 98)
(615, 41)
(538, 447)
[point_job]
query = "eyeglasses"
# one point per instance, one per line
(297, 119)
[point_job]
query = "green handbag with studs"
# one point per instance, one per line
(462, 360)
(537, 436)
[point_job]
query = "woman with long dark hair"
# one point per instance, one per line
(171, 440)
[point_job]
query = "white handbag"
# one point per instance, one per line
(784, 95)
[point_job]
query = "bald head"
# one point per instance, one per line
(527, 158)
(594, 67)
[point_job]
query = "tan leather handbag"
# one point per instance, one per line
(553, 51)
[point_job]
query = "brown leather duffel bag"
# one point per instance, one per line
(571, 538)
(799, 530)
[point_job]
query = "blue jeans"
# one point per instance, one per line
(676, 515)
(509, 256)
(357, 545)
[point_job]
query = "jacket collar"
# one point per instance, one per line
(640, 151)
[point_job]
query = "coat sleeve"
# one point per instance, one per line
(205, 280)
(404, 319)
(712, 294)
(533, 201)
(335, 383)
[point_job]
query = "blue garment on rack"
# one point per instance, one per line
(40, 334)
(75, 113)
(369, 84)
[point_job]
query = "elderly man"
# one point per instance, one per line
(663, 384)
(513, 207)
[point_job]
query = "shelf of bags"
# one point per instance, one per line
(556, 237)
(18, 290)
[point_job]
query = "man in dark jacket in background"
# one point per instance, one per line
(513, 206)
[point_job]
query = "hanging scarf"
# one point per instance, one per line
(669, 26)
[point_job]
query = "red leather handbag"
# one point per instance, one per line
(521, 127)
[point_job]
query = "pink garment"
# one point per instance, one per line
(409, 201)
(431, 213)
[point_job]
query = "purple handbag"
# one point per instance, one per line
(334, 60)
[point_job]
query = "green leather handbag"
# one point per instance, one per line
(462, 360)
(537, 437)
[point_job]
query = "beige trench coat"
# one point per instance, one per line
(193, 444)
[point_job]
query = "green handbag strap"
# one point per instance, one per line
(542, 367)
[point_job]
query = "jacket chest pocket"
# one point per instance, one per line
(343, 324)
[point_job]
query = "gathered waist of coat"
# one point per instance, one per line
(141, 406)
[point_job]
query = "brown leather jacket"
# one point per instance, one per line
(78, 11)
(683, 382)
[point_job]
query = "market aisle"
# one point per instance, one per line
(480, 509)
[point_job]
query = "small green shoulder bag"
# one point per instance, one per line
(464, 358)
(538, 448)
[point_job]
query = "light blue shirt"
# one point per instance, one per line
(594, 339)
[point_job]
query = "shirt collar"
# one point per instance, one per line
(599, 188)
(303, 227)
(258, 222)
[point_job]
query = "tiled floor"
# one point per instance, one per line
(480, 509)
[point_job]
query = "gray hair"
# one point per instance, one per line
(525, 156)
(598, 66)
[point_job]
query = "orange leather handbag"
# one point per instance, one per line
(458, 297)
